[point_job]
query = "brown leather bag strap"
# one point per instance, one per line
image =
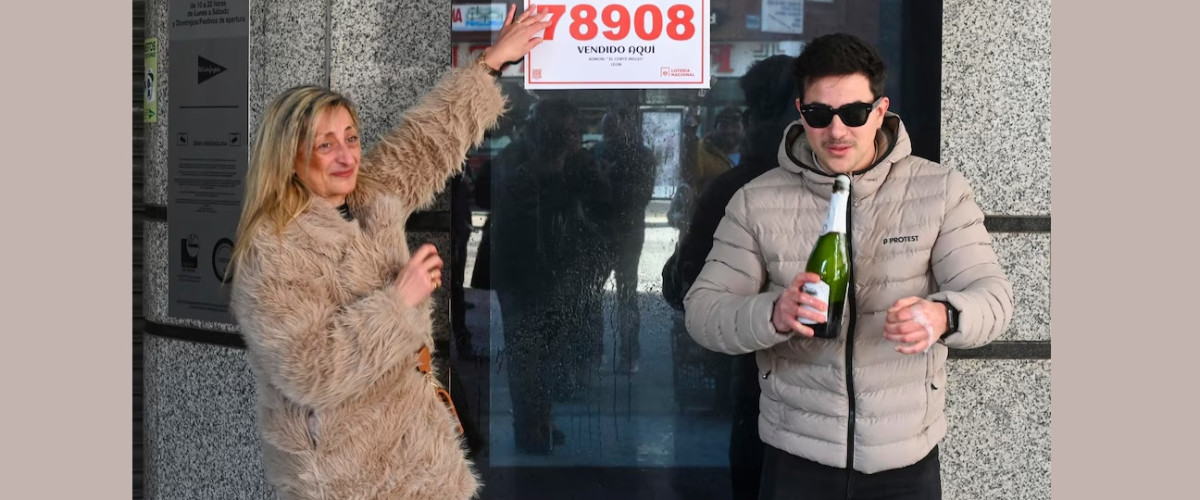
(425, 365)
(425, 360)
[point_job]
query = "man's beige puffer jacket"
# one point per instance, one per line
(916, 231)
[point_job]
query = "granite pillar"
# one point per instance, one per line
(996, 130)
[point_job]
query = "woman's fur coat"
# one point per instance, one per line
(343, 411)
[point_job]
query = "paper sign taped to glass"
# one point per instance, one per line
(611, 44)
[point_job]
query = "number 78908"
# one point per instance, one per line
(646, 21)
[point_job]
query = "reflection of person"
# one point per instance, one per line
(630, 167)
(866, 412)
(334, 309)
(511, 125)
(769, 93)
(546, 244)
(712, 155)
(460, 233)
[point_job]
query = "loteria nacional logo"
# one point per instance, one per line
(676, 72)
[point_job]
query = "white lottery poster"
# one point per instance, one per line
(639, 44)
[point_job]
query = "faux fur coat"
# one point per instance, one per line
(343, 411)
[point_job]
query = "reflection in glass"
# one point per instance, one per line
(586, 378)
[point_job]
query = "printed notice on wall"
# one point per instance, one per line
(783, 16)
(610, 44)
(207, 151)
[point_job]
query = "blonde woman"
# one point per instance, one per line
(334, 309)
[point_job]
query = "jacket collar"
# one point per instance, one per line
(796, 157)
(716, 152)
(321, 223)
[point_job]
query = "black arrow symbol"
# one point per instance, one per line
(206, 69)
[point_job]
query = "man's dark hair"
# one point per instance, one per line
(836, 55)
(553, 124)
(728, 116)
(621, 120)
(768, 87)
(769, 92)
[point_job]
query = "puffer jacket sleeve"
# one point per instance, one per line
(725, 309)
(417, 157)
(968, 272)
(317, 351)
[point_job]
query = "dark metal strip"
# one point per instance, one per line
(328, 44)
(439, 221)
(224, 339)
(993, 223)
(1016, 349)
(995, 350)
(427, 222)
(156, 213)
(1017, 223)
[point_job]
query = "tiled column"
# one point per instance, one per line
(996, 130)
(201, 436)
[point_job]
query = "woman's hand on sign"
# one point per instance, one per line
(516, 37)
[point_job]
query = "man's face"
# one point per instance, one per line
(842, 149)
(618, 126)
(728, 135)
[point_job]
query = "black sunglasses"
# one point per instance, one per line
(853, 115)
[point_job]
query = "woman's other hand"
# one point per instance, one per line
(420, 277)
(516, 38)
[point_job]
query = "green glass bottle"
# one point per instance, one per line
(830, 259)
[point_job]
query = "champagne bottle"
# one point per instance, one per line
(830, 260)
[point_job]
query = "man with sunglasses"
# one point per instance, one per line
(859, 415)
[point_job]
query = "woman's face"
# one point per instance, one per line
(333, 158)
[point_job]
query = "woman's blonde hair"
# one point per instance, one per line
(274, 194)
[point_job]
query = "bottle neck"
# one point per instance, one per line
(835, 221)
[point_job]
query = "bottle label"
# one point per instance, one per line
(819, 290)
